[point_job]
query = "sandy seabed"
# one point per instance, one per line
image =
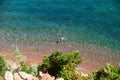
(93, 57)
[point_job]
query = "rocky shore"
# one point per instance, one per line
(24, 76)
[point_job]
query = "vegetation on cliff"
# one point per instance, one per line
(3, 65)
(58, 65)
(109, 72)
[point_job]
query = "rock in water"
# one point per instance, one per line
(8, 75)
(60, 40)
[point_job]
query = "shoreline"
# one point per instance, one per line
(93, 57)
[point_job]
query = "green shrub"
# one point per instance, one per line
(33, 69)
(16, 54)
(109, 72)
(24, 67)
(3, 65)
(119, 69)
(60, 65)
(19, 59)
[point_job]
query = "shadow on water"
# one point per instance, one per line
(2, 2)
(117, 2)
(89, 8)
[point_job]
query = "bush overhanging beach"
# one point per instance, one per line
(58, 65)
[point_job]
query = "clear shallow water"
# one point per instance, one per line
(82, 21)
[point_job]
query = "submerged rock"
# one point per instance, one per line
(60, 40)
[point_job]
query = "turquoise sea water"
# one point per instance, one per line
(81, 21)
